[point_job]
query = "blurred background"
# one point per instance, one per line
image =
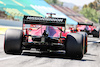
(15, 9)
(74, 11)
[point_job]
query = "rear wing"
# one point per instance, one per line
(44, 21)
(87, 24)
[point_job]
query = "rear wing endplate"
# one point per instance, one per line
(88, 24)
(44, 21)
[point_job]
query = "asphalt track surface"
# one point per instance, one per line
(34, 58)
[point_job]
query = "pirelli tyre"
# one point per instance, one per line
(95, 33)
(85, 44)
(74, 45)
(13, 41)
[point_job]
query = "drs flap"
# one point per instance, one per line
(44, 21)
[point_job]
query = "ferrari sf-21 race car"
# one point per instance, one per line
(89, 29)
(45, 34)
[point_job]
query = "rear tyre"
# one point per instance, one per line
(95, 33)
(74, 45)
(13, 41)
(85, 41)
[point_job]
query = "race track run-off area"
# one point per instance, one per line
(33, 58)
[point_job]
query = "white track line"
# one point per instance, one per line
(6, 58)
(98, 41)
(90, 42)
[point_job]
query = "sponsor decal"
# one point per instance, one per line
(45, 19)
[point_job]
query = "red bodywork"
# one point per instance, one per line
(37, 30)
(82, 27)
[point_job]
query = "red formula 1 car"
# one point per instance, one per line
(88, 28)
(45, 34)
